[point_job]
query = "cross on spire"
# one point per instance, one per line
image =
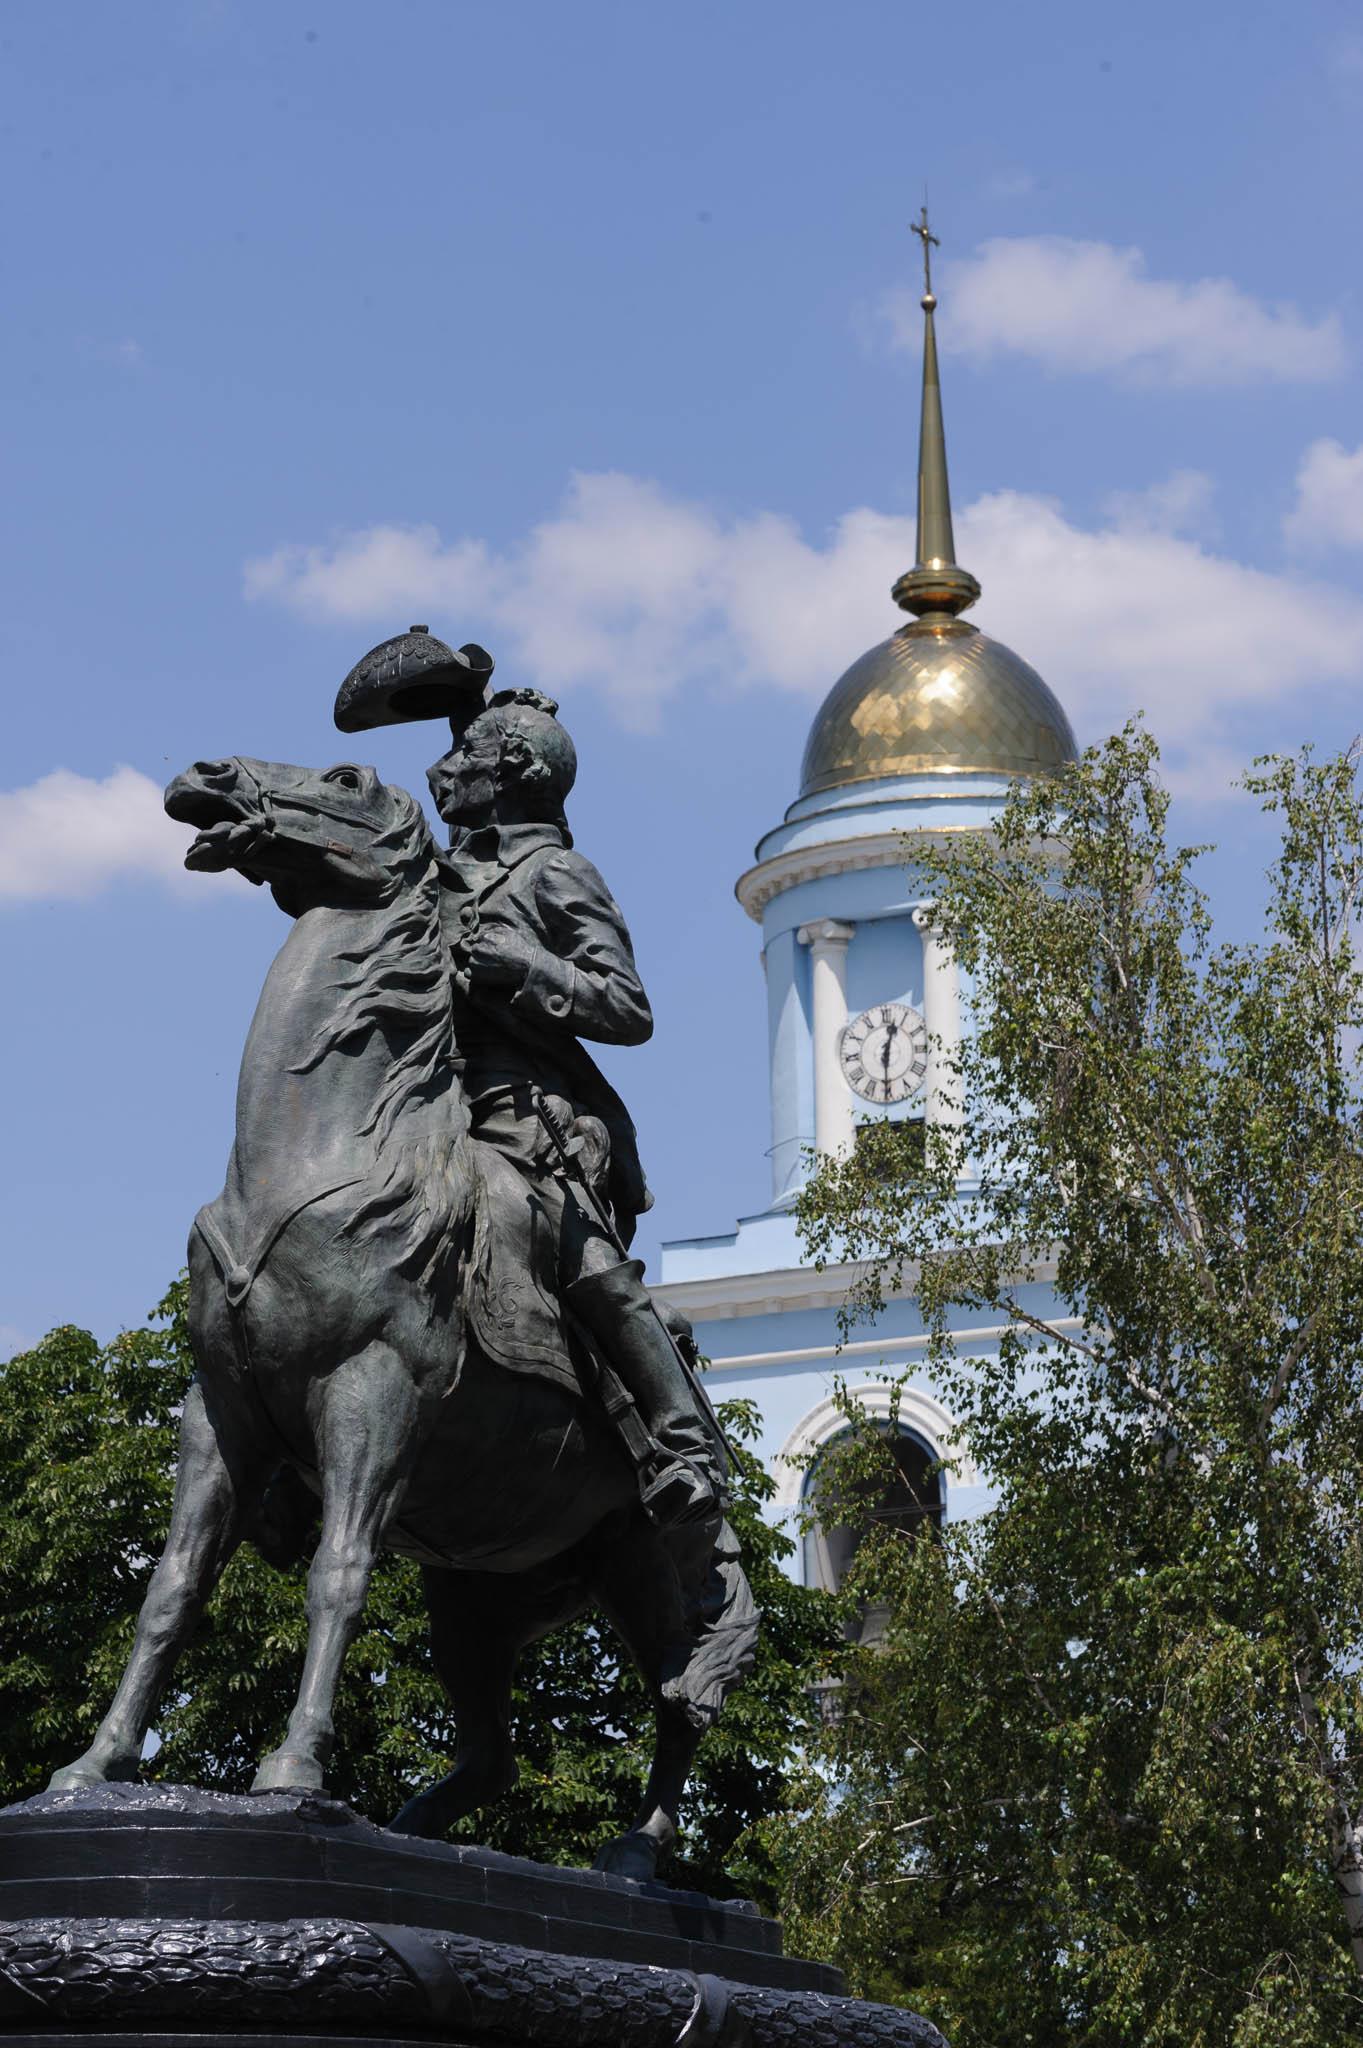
(930, 242)
(937, 588)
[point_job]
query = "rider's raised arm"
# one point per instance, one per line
(586, 982)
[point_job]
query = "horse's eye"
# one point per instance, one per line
(346, 777)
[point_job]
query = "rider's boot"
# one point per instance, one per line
(616, 1310)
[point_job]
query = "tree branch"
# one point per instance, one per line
(1150, 1395)
(1291, 1359)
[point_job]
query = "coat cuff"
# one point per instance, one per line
(549, 988)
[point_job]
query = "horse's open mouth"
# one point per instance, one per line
(226, 834)
(223, 845)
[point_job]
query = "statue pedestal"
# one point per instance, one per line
(146, 1914)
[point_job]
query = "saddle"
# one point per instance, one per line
(516, 1314)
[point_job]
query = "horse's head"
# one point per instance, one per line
(336, 842)
(334, 835)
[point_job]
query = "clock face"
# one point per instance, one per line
(884, 1052)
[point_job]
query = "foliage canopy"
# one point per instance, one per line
(1102, 1782)
(87, 1449)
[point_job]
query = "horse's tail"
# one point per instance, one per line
(701, 1673)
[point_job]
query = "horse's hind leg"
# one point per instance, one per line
(635, 1581)
(365, 1436)
(652, 1834)
(480, 1622)
(205, 1528)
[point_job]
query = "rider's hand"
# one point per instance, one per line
(498, 957)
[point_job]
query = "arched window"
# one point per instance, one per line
(909, 1498)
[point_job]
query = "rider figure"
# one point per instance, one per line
(541, 959)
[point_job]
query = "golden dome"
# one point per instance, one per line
(937, 696)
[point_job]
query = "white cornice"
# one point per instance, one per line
(885, 1348)
(761, 1294)
(756, 888)
(787, 1287)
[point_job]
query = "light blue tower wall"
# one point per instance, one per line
(885, 956)
(884, 964)
(767, 1322)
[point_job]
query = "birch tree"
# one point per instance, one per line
(1102, 1781)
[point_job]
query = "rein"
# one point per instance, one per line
(240, 1275)
(270, 802)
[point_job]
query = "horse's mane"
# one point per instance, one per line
(397, 977)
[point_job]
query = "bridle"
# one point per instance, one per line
(270, 802)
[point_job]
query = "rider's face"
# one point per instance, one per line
(464, 781)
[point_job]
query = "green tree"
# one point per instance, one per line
(87, 1449)
(1102, 1783)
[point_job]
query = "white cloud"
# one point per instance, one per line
(628, 591)
(1124, 618)
(1088, 306)
(1181, 503)
(384, 569)
(640, 595)
(68, 837)
(1329, 506)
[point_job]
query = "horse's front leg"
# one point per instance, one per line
(366, 1436)
(205, 1528)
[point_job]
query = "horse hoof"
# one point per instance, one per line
(421, 1816)
(284, 1773)
(77, 1777)
(632, 1855)
(476, 1782)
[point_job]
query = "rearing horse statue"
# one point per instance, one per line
(328, 1318)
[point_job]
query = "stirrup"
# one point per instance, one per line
(677, 1494)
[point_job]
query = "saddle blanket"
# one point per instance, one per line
(513, 1301)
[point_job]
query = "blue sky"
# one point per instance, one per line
(580, 331)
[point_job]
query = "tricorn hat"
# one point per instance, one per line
(411, 677)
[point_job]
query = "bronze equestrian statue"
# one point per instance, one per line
(541, 957)
(411, 1303)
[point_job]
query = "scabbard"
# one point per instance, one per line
(599, 1213)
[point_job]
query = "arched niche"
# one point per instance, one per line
(921, 1438)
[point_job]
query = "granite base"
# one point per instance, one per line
(157, 1914)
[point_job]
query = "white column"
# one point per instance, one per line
(942, 1016)
(788, 1040)
(835, 1121)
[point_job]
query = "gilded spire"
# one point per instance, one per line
(936, 584)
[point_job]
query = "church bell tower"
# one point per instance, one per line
(922, 736)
